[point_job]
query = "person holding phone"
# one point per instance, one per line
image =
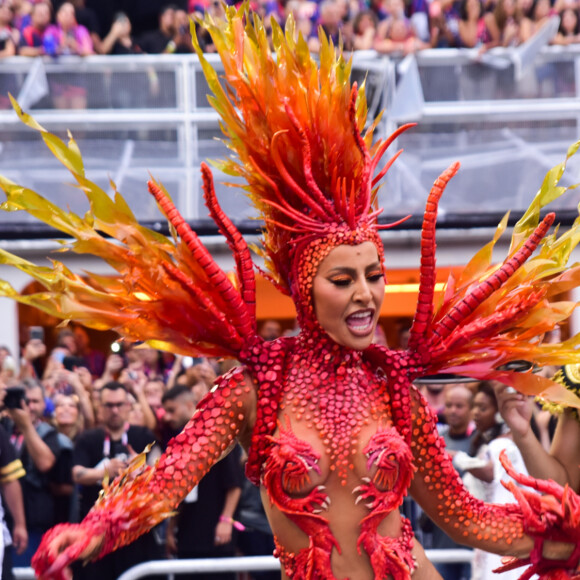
(32, 355)
(45, 461)
(11, 471)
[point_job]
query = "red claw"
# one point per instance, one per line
(61, 546)
(546, 517)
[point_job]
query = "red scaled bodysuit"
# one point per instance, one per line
(336, 437)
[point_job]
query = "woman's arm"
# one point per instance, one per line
(424, 569)
(440, 492)
(467, 33)
(566, 447)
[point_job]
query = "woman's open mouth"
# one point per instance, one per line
(361, 323)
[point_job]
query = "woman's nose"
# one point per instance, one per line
(362, 292)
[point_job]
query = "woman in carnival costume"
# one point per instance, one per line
(335, 431)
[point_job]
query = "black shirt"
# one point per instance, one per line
(197, 519)
(90, 450)
(154, 42)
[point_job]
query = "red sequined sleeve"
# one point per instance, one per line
(440, 492)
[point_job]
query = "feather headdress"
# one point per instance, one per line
(296, 128)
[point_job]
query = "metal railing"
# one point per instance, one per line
(507, 118)
(241, 564)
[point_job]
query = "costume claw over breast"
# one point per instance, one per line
(336, 435)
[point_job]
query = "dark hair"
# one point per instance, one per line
(357, 19)
(175, 392)
(561, 14)
(113, 386)
(486, 388)
(482, 438)
(463, 9)
(167, 7)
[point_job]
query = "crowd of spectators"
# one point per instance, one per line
(38, 27)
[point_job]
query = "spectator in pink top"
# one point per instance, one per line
(67, 36)
(9, 36)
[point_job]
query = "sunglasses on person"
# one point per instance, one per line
(115, 405)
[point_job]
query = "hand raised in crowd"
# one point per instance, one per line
(85, 379)
(21, 416)
(114, 466)
(33, 349)
(113, 366)
(515, 408)
(134, 381)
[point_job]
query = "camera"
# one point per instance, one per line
(37, 333)
(14, 397)
(70, 363)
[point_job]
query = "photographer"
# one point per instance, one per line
(11, 471)
(45, 460)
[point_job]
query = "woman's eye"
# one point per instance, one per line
(340, 281)
(375, 277)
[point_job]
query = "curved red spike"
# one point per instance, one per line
(385, 144)
(302, 195)
(304, 222)
(427, 279)
(236, 242)
(307, 166)
(284, 206)
(392, 224)
(366, 186)
(203, 300)
(386, 167)
(217, 277)
(483, 290)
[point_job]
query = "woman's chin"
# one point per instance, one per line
(354, 342)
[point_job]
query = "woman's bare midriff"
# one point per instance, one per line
(343, 513)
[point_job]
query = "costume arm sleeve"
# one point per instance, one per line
(439, 490)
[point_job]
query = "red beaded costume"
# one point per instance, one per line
(322, 413)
